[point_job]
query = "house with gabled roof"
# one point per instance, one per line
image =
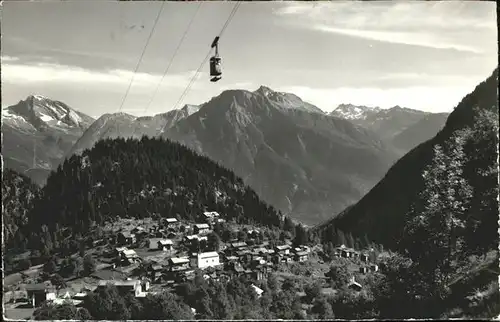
(123, 287)
(39, 293)
(160, 244)
(283, 249)
(210, 216)
(178, 263)
(301, 256)
(201, 229)
(126, 238)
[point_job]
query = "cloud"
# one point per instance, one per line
(432, 99)
(433, 24)
(72, 75)
(396, 37)
(9, 59)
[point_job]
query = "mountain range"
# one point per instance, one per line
(401, 127)
(381, 213)
(297, 157)
(38, 133)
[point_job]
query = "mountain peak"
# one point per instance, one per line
(41, 111)
(353, 112)
(264, 90)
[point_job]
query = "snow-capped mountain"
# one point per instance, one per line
(41, 112)
(38, 132)
(390, 123)
(354, 112)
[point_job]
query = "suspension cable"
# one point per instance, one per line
(173, 57)
(142, 56)
(193, 79)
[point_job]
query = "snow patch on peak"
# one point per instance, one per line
(265, 90)
(353, 112)
(191, 109)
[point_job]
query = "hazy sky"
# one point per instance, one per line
(422, 55)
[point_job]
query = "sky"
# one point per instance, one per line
(422, 55)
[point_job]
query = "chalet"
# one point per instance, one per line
(238, 245)
(374, 267)
(363, 269)
(353, 285)
(282, 249)
(347, 253)
(364, 257)
(128, 256)
(210, 216)
(39, 293)
(208, 259)
(178, 263)
(124, 287)
(301, 256)
(189, 240)
(160, 244)
(171, 222)
(125, 238)
(201, 229)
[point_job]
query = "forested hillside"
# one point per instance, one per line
(438, 207)
(131, 178)
(18, 194)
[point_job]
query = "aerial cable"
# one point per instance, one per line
(193, 79)
(142, 56)
(173, 57)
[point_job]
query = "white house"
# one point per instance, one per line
(208, 259)
(210, 215)
(201, 228)
(257, 290)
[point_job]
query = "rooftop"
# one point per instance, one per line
(119, 283)
(208, 255)
(179, 260)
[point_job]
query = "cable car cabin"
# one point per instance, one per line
(215, 69)
(215, 62)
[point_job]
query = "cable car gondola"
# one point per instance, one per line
(215, 62)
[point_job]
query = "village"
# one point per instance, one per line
(147, 256)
